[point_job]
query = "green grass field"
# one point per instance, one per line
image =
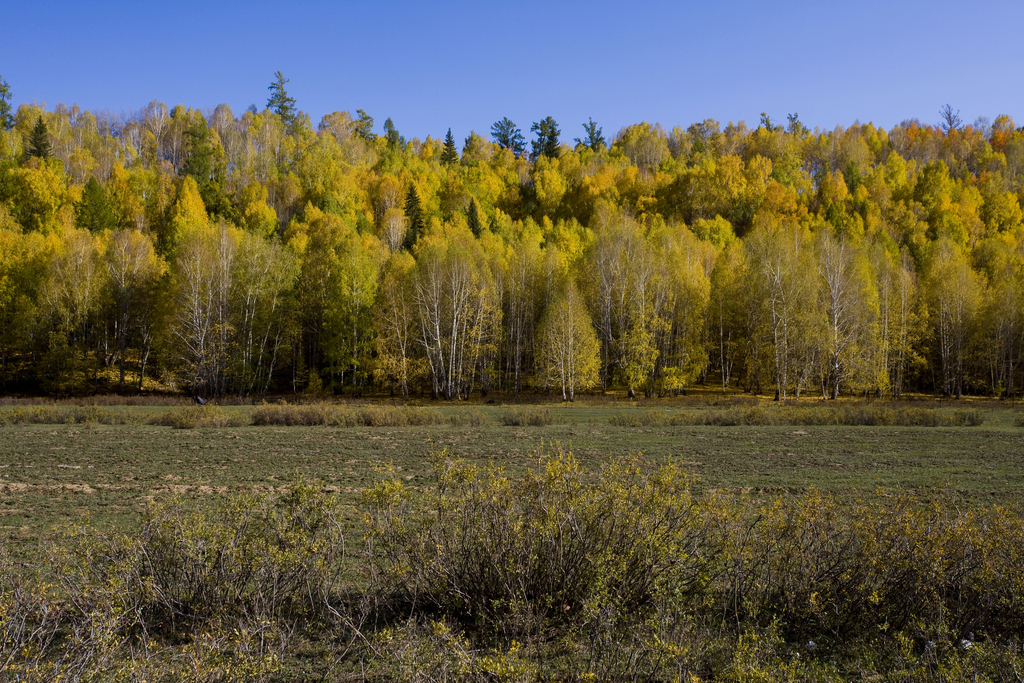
(54, 474)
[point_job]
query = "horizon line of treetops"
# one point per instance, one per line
(254, 254)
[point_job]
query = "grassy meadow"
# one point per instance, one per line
(696, 539)
(62, 463)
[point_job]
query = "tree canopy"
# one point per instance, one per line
(248, 254)
(280, 102)
(507, 136)
(39, 141)
(449, 155)
(6, 116)
(546, 144)
(594, 138)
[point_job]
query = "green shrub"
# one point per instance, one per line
(434, 651)
(29, 618)
(556, 574)
(257, 557)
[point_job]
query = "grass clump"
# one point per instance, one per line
(194, 417)
(469, 418)
(853, 414)
(66, 414)
(332, 415)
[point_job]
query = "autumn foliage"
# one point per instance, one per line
(249, 254)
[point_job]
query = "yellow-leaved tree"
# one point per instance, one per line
(569, 351)
(956, 292)
(71, 295)
(394, 321)
(133, 269)
(187, 215)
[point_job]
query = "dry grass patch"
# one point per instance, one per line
(847, 414)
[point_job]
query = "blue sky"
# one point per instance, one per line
(431, 65)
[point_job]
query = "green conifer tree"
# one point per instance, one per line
(93, 211)
(391, 134)
(280, 103)
(473, 218)
(6, 118)
(363, 126)
(39, 141)
(450, 155)
(546, 144)
(595, 137)
(414, 214)
(507, 136)
(204, 164)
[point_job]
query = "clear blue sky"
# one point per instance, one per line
(431, 65)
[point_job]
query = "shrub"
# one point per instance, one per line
(327, 414)
(256, 557)
(434, 651)
(29, 618)
(487, 549)
(64, 414)
(844, 414)
(526, 417)
(197, 595)
(556, 574)
(634, 577)
(193, 417)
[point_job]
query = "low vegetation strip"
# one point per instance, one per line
(334, 415)
(829, 414)
(369, 415)
(65, 414)
(211, 416)
(620, 573)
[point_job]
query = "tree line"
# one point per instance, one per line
(222, 254)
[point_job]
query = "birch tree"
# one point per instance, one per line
(955, 291)
(569, 349)
(72, 294)
(781, 270)
(202, 325)
(394, 322)
(133, 269)
(847, 300)
(264, 273)
(453, 309)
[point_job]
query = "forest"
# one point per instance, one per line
(179, 250)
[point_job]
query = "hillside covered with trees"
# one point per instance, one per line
(226, 254)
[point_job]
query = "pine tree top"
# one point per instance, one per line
(39, 141)
(450, 154)
(280, 103)
(6, 118)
